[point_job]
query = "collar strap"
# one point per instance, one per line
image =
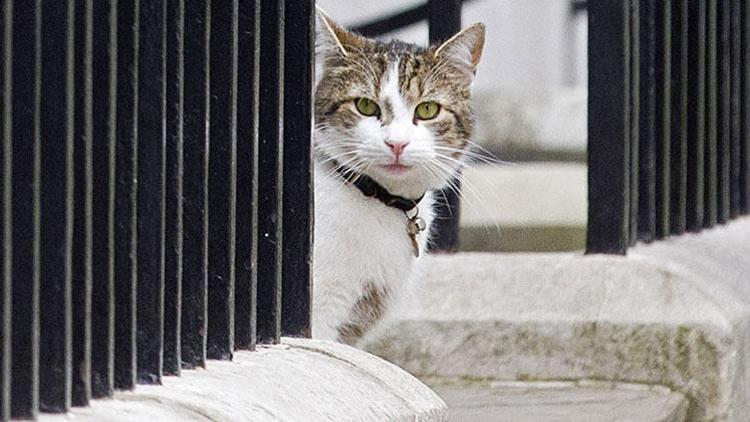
(371, 188)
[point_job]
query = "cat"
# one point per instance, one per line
(392, 124)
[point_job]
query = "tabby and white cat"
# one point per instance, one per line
(392, 123)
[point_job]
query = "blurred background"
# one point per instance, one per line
(530, 105)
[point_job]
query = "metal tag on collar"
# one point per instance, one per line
(414, 226)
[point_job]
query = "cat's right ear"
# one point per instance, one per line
(332, 39)
(465, 47)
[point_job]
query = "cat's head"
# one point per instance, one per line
(396, 112)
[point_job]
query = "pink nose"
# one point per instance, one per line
(397, 147)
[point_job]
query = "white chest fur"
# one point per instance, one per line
(358, 242)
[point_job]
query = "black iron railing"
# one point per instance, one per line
(444, 20)
(669, 118)
(144, 154)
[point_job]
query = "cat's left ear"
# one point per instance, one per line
(465, 47)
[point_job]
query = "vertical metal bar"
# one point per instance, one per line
(745, 167)
(82, 191)
(125, 193)
(195, 184)
(222, 180)
(736, 111)
(711, 190)
(609, 126)
(679, 114)
(247, 173)
(444, 20)
(723, 135)
(25, 86)
(104, 101)
(56, 114)
(663, 72)
(173, 228)
(647, 123)
(151, 180)
(696, 119)
(270, 164)
(635, 115)
(6, 228)
(299, 51)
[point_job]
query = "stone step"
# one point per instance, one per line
(485, 401)
(674, 313)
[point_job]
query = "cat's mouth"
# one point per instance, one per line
(395, 168)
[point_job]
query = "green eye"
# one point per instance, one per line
(367, 107)
(427, 110)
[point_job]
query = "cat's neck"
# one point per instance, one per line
(402, 188)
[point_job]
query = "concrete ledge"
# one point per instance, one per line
(675, 313)
(299, 380)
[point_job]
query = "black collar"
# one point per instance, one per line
(371, 188)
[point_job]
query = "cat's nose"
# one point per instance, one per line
(397, 147)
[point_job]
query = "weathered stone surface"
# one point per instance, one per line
(299, 380)
(675, 313)
(485, 401)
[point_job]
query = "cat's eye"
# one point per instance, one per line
(427, 110)
(367, 107)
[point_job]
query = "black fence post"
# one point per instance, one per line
(635, 120)
(6, 162)
(150, 193)
(745, 151)
(609, 126)
(26, 58)
(222, 180)
(299, 53)
(271, 168)
(663, 120)
(173, 205)
(125, 195)
(82, 197)
(679, 114)
(711, 190)
(194, 309)
(724, 122)
(444, 19)
(647, 122)
(56, 113)
(696, 119)
(104, 126)
(248, 61)
(735, 146)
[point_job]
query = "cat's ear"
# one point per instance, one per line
(465, 47)
(332, 39)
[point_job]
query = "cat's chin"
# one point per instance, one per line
(401, 180)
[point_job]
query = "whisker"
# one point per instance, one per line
(470, 154)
